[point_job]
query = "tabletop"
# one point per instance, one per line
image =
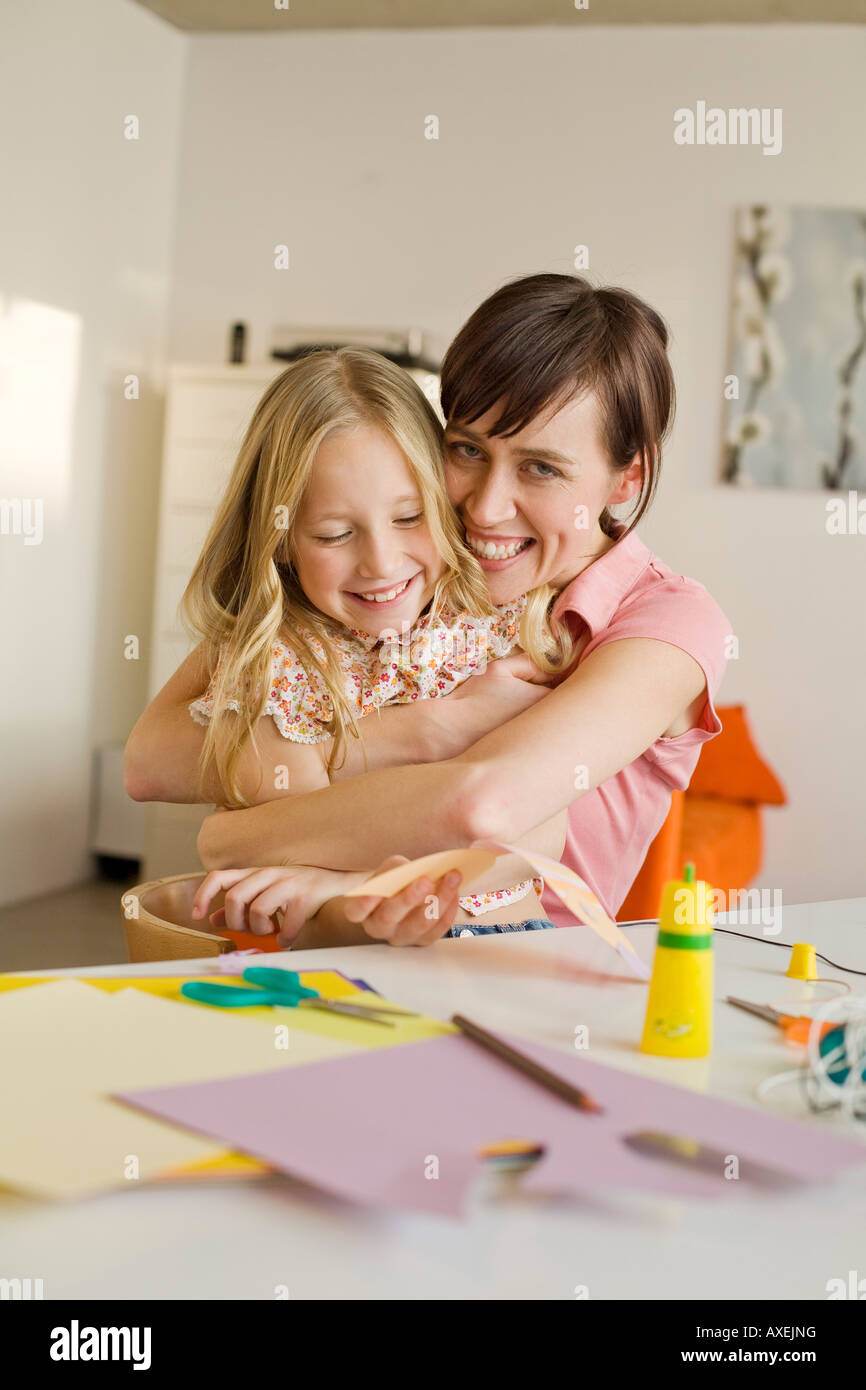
(271, 1237)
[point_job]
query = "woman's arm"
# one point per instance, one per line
(620, 699)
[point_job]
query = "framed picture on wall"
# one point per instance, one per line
(796, 383)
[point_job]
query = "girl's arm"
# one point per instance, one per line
(161, 761)
(620, 699)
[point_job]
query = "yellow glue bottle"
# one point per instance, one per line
(679, 1015)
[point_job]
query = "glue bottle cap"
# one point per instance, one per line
(802, 964)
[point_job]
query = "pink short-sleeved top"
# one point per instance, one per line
(629, 592)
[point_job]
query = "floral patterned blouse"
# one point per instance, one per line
(430, 660)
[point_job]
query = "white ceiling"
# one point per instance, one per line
(201, 16)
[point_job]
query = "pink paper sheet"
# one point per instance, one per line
(372, 1127)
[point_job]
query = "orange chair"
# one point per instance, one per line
(715, 824)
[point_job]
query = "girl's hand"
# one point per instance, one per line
(519, 666)
(417, 916)
(507, 687)
(270, 899)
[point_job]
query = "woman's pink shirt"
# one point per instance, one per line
(629, 592)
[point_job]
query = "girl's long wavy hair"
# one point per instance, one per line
(244, 594)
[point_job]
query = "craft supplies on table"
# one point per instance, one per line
(384, 1127)
(74, 1043)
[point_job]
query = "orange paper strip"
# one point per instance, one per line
(568, 886)
(471, 863)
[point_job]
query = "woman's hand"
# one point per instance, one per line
(271, 899)
(418, 915)
(507, 687)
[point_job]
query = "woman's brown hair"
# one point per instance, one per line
(543, 339)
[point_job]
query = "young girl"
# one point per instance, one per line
(335, 581)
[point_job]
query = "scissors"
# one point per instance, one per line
(282, 989)
(796, 1027)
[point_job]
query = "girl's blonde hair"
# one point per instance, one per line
(244, 593)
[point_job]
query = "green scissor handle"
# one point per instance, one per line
(233, 996)
(280, 988)
(279, 981)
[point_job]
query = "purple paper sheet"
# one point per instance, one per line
(373, 1127)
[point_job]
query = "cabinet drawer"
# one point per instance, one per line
(195, 474)
(212, 410)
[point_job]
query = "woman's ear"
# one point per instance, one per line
(627, 484)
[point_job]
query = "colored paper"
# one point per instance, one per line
(331, 984)
(67, 1046)
(401, 1127)
(568, 886)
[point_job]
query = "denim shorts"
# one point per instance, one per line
(532, 924)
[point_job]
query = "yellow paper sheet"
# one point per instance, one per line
(328, 982)
(67, 1046)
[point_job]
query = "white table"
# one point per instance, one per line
(241, 1239)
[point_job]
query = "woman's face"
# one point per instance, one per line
(530, 504)
(363, 551)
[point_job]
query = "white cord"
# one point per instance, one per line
(822, 1091)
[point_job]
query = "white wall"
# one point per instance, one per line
(84, 283)
(548, 139)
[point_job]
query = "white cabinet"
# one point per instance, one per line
(208, 409)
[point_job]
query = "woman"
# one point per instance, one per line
(558, 397)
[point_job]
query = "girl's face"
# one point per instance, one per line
(363, 552)
(530, 504)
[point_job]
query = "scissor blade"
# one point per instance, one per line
(352, 1010)
(762, 1010)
